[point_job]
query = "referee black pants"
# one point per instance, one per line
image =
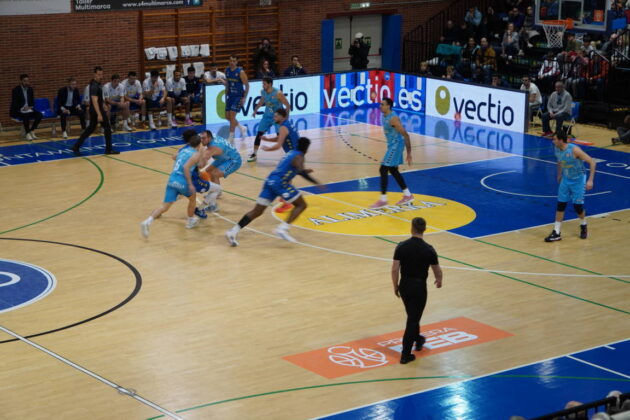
(414, 296)
(90, 129)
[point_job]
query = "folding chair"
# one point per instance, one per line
(43, 105)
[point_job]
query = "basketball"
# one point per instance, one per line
(204, 175)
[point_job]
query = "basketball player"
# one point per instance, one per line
(278, 184)
(396, 136)
(273, 99)
(572, 178)
(133, 95)
(176, 88)
(114, 95)
(179, 183)
(157, 98)
(237, 87)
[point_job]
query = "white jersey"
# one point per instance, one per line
(177, 87)
(132, 90)
(156, 88)
(219, 75)
(115, 94)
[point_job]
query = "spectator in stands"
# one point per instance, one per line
(485, 60)
(451, 74)
(509, 46)
(468, 57)
(69, 103)
(534, 98)
(22, 107)
(528, 30)
(576, 80)
(497, 81)
(114, 96)
(572, 46)
(558, 108)
(597, 74)
(358, 53)
(296, 69)
(424, 69)
(465, 31)
(516, 17)
(133, 95)
(548, 73)
(213, 76)
(177, 92)
(450, 34)
(265, 52)
(265, 71)
(193, 86)
(494, 26)
(587, 45)
(473, 18)
(511, 4)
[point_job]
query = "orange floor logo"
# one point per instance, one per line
(369, 353)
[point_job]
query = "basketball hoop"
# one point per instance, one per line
(554, 30)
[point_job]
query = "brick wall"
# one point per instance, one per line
(50, 48)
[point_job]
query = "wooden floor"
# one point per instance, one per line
(213, 323)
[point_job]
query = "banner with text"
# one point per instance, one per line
(104, 5)
(33, 7)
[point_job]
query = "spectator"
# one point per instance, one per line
(22, 107)
(588, 45)
(509, 46)
(548, 73)
(528, 30)
(265, 52)
(497, 81)
(485, 61)
(358, 53)
(213, 76)
(296, 69)
(114, 96)
(573, 46)
(493, 25)
(516, 17)
(576, 82)
(69, 103)
(424, 69)
(468, 57)
(534, 98)
(450, 34)
(451, 74)
(558, 108)
(465, 32)
(265, 71)
(597, 74)
(511, 4)
(473, 18)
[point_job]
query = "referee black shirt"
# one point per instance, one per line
(415, 256)
(96, 90)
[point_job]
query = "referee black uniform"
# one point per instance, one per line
(96, 90)
(414, 256)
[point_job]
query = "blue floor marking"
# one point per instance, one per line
(498, 396)
(617, 359)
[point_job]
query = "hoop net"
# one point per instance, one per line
(554, 30)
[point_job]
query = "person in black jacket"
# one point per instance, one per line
(69, 103)
(265, 52)
(22, 106)
(358, 52)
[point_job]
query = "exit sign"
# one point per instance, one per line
(363, 5)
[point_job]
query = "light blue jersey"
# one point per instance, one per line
(272, 104)
(177, 184)
(290, 142)
(572, 167)
(229, 161)
(395, 143)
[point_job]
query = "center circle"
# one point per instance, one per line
(349, 213)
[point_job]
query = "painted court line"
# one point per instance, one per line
(465, 380)
(598, 366)
(124, 391)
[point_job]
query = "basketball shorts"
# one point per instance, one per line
(276, 188)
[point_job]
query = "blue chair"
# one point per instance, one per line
(43, 105)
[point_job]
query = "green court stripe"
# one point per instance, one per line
(98, 187)
(549, 260)
(524, 281)
(166, 173)
(369, 381)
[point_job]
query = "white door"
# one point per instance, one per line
(345, 29)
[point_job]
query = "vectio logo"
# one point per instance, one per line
(220, 104)
(442, 100)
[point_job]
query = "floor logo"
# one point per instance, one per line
(368, 353)
(22, 284)
(349, 213)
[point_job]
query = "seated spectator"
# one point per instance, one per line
(558, 108)
(596, 75)
(576, 80)
(213, 76)
(22, 107)
(450, 34)
(548, 73)
(511, 4)
(193, 86)
(534, 98)
(176, 90)
(528, 30)
(465, 31)
(497, 81)
(157, 99)
(424, 69)
(451, 74)
(494, 26)
(473, 18)
(468, 57)
(573, 46)
(265, 71)
(114, 96)
(587, 45)
(69, 103)
(509, 46)
(516, 17)
(485, 60)
(133, 95)
(265, 52)
(295, 69)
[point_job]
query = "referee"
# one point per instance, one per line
(412, 259)
(97, 115)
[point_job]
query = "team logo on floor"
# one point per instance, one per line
(22, 284)
(368, 353)
(349, 213)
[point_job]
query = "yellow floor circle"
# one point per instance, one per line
(349, 213)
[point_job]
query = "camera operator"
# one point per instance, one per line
(358, 52)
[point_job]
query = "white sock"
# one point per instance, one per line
(383, 197)
(213, 193)
(236, 229)
(87, 122)
(169, 116)
(188, 115)
(151, 117)
(231, 136)
(192, 219)
(406, 192)
(556, 227)
(583, 221)
(142, 117)
(149, 220)
(284, 226)
(125, 125)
